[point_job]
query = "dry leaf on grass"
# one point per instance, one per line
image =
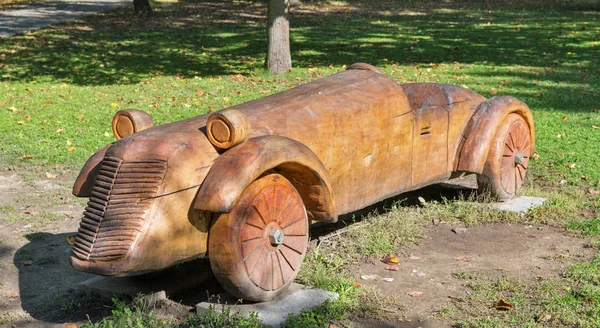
(463, 258)
(543, 317)
(12, 294)
(503, 305)
(51, 175)
(415, 293)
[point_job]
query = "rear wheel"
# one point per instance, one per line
(508, 158)
(256, 249)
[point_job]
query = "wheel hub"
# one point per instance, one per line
(519, 158)
(276, 237)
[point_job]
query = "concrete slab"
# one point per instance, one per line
(275, 312)
(156, 286)
(520, 204)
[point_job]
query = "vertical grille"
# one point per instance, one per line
(122, 194)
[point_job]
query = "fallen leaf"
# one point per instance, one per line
(20, 122)
(463, 258)
(503, 305)
(595, 127)
(571, 166)
(415, 294)
(12, 109)
(28, 118)
(72, 149)
(391, 268)
(199, 93)
(543, 317)
(114, 105)
(27, 156)
(71, 240)
(356, 285)
(80, 117)
(61, 130)
(535, 156)
(51, 175)
(390, 259)
(12, 294)
(493, 91)
(71, 325)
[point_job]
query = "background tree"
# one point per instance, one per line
(142, 7)
(279, 59)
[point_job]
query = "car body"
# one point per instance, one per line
(342, 143)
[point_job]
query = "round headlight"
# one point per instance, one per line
(227, 128)
(129, 121)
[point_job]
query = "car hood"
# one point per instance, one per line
(181, 146)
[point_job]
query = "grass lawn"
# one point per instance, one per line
(60, 87)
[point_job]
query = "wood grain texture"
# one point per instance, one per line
(342, 143)
(242, 256)
(508, 159)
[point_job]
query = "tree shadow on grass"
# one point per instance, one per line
(210, 38)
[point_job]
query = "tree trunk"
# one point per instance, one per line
(142, 7)
(279, 59)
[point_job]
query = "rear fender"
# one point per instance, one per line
(481, 130)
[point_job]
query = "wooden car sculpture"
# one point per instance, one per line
(243, 184)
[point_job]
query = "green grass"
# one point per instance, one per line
(64, 84)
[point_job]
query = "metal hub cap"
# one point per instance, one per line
(519, 158)
(276, 237)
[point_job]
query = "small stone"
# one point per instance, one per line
(369, 277)
(387, 279)
(459, 230)
(412, 257)
(421, 274)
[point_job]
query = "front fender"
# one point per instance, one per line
(482, 127)
(239, 166)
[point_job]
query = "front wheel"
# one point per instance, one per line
(508, 157)
(256, 250)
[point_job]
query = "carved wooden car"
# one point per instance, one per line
(242, 185)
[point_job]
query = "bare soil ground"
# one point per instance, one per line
(39, 287)
(443, 264)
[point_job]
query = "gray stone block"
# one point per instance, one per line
(273, 313)
(520, 204)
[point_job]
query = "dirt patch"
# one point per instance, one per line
(441, 264)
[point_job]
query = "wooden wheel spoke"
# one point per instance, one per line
(278, 279)
(287, 270)
(298, 228)
(510, 142)
(290, 256)
(250, 232)
(253, 260)
(295, 243)
(254, 218)
(251, 246)
(283, 209)
(262, 275)
(262, 209)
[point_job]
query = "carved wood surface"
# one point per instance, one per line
(342, 143)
